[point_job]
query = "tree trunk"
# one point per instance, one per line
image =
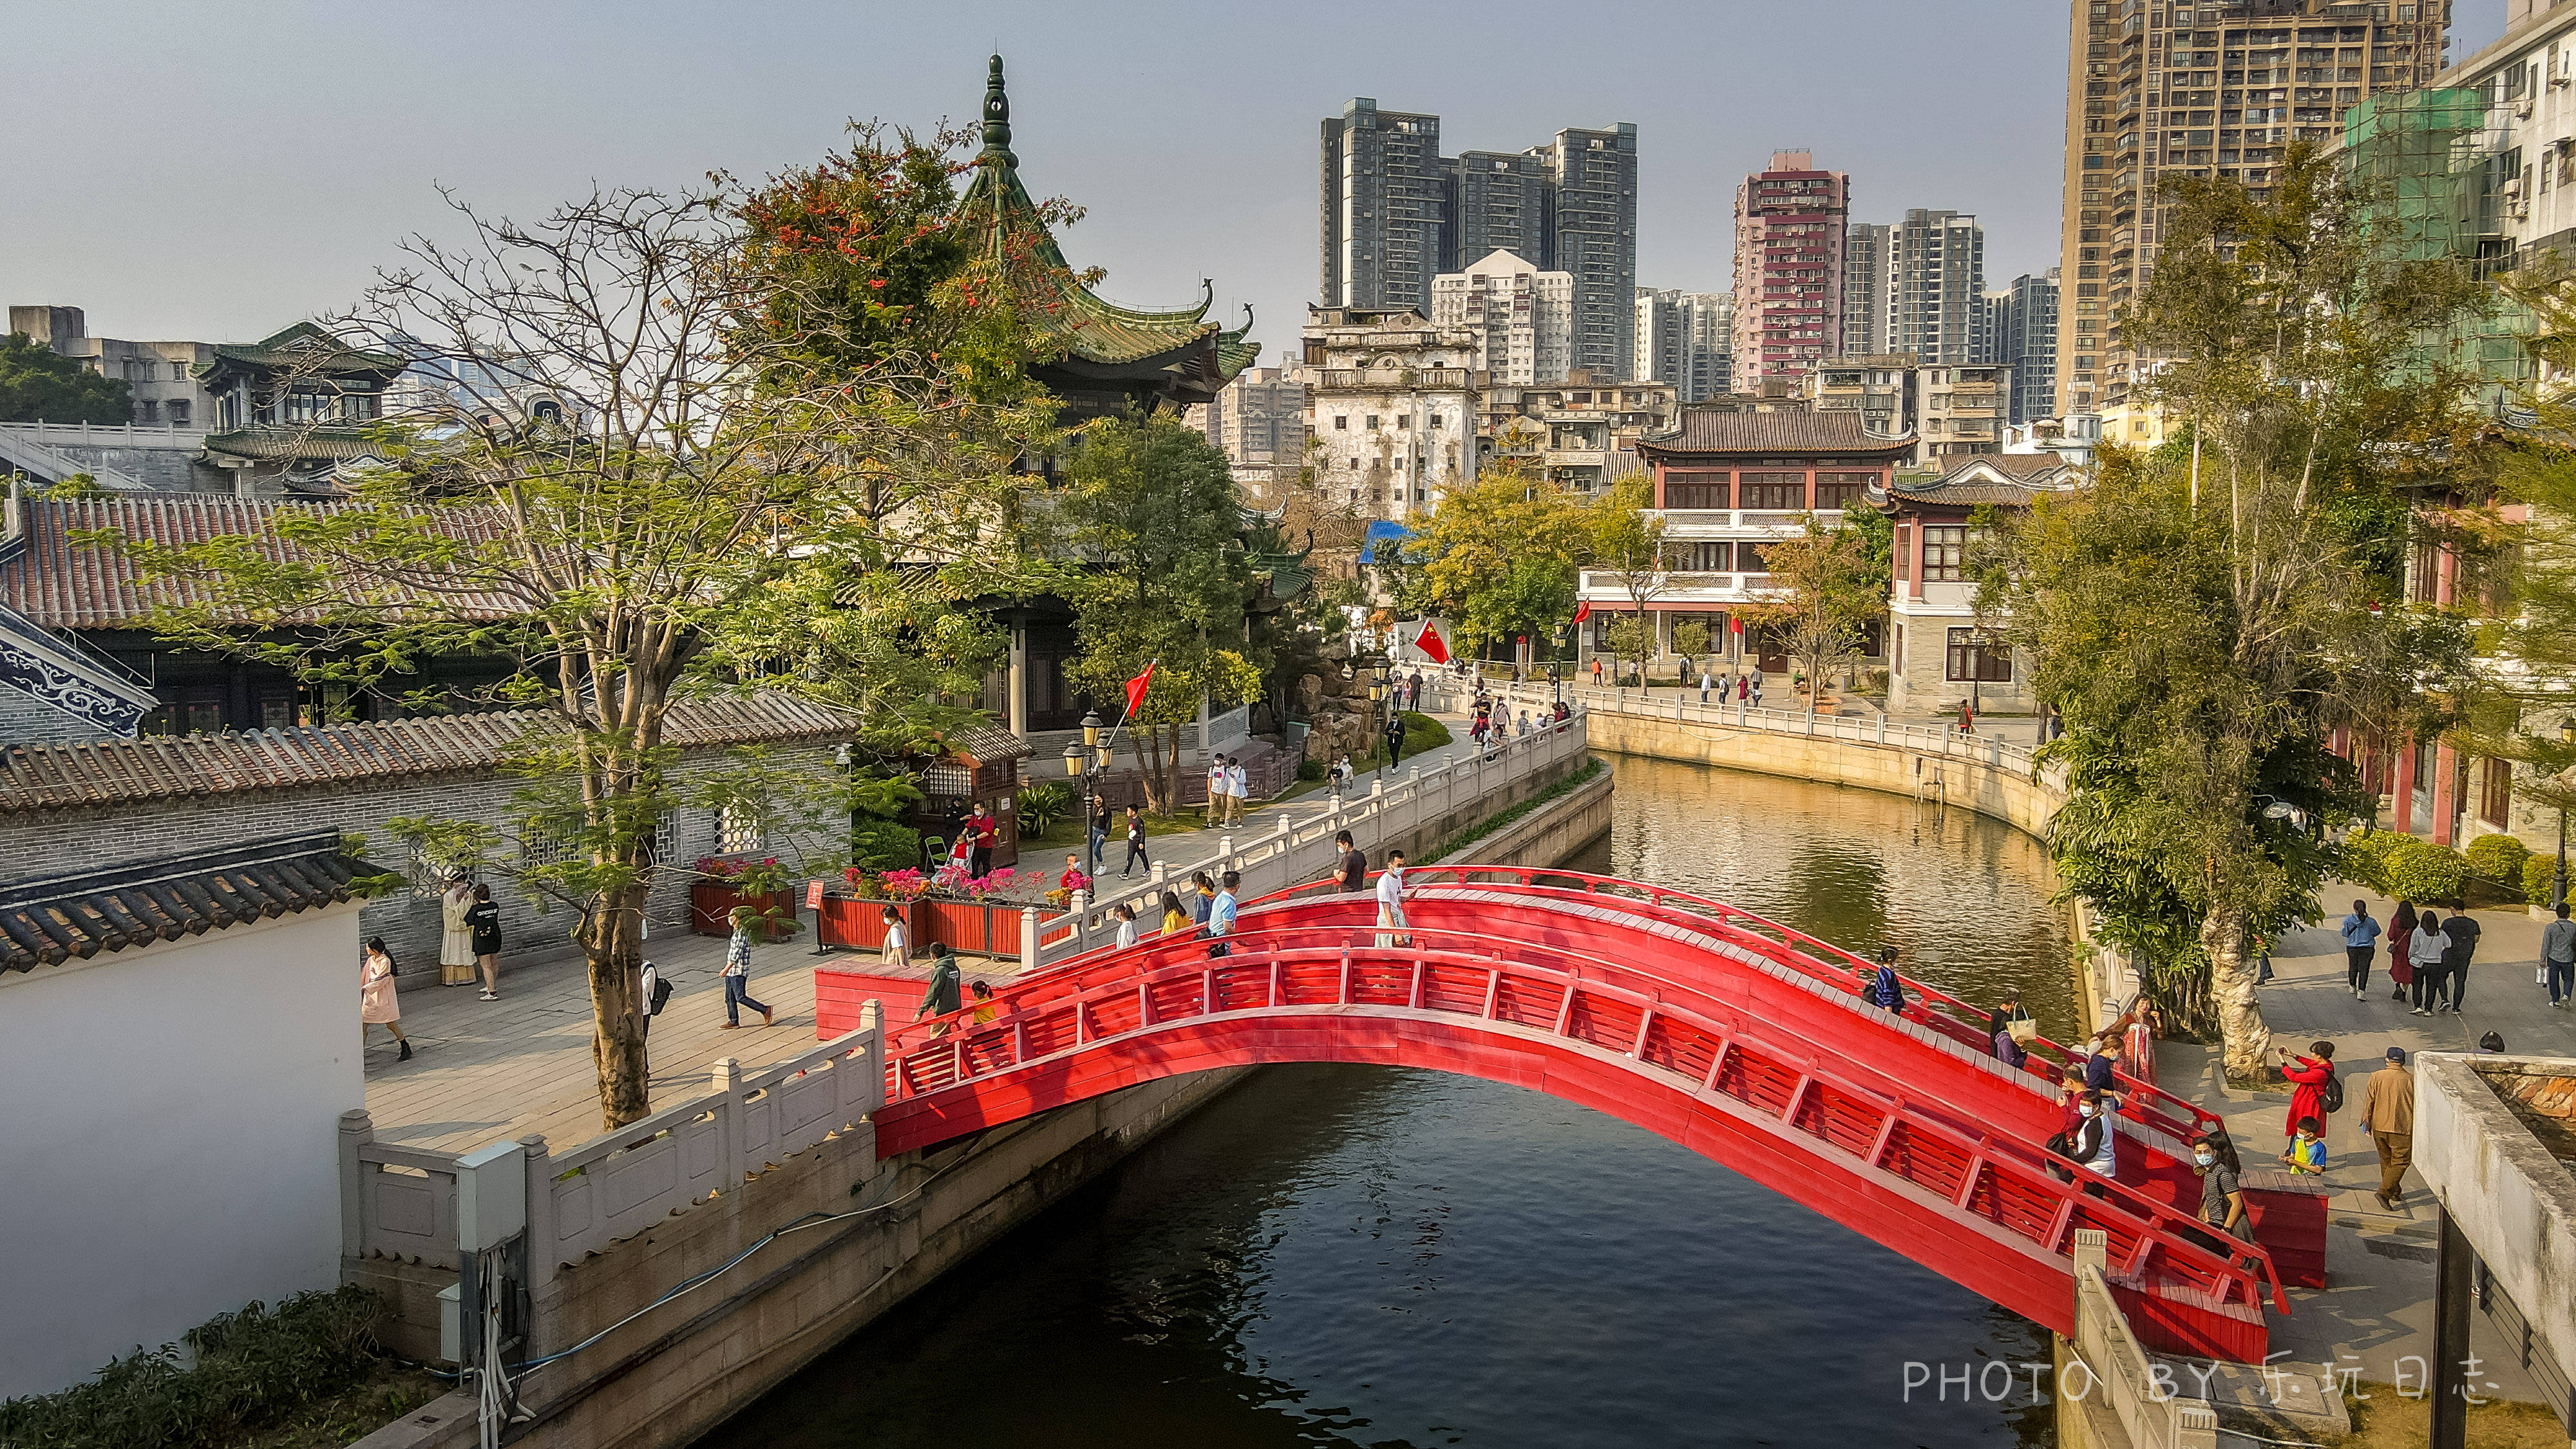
(2243, 1038)
(613, 945)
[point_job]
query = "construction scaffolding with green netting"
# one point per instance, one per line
(2435, 179)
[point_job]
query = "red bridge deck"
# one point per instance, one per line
(1738, 1038)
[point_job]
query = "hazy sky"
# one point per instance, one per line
(215, 172)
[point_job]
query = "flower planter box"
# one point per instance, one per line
(858, 923)
(711, 911)
(989, 927)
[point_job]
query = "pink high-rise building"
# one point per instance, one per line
(1788, 269)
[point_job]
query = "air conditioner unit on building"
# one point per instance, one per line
(2522, 110)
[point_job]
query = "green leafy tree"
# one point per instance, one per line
(1690, 641)
(1628, 545)
(744, 478)
(1498, 558)
(38, 384)
(2206, 614)
(1150, 507)
(1827, 591)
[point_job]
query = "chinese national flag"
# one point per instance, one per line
(1735, 623)
(1583, 611)
(1136, 688)
(1429, 642)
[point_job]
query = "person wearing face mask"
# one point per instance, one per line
(2094, 1140)
(2222, 1196)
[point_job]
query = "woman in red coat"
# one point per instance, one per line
(2311, 1072)
(2401, 972)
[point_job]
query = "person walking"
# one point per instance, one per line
(1596, 671)
(1394, 742)
(1205, 900)
(1338, 778)
(1135, 844)
(986, 832)
(1099, 831)
(1704, 683)
(1216, 791)
(1175, 920)
(895, 950)
(2096, 1141)
(2360, 932)
(377, 1003)
(1238, 790)
(484, 919)
(2312, 1073)
(986, 1008)
(1353, 869)
(942, 996)
(2222, 1196)
(1391, 924)
(2558, 958)
(2424, 949)
(2401, 933)
(2102, 1061)
(1967, 718)
(2388, 1111)
(2460, 929)
(1755, 680)
(1221, 917)
(737, 973)
(456, 947)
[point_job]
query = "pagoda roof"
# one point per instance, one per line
(1178, 356)
(305, 350)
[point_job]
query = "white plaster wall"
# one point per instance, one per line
(171, 1146)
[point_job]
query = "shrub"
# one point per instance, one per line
(2497, 858)
(1310, 769)
(1042, 806)
(1422, 732)
(2540, 880)
(251, 1369)
(2421, 871)
(2365, 858)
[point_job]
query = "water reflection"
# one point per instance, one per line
(1347, 1255)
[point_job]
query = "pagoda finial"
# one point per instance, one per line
(997, 119)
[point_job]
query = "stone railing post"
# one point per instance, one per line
(357, 1129)
(726, 1082)
(1160, 873)
(2195, 1426)
(1030, 955)
(541, 1209)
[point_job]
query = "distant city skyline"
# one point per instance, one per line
(225, 226)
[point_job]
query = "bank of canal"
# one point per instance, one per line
(1350, 1255)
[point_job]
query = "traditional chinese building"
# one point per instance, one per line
(1728, 485)
(290, 411)
(1939, 653)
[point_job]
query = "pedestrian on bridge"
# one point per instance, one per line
(2360, 933)
(1390, 903)
(1354, 864)
(2009, 1027)
(1886, 990)
(2102, 1064)
(2095, 1141)
(1126, 914)
(1174, 918)
(1221, 917)
(2388, 1110)
(941, 998)
(2222, 1198)
(2314, 1075)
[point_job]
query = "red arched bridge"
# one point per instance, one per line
(1738, 1038)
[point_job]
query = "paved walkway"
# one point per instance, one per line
(482, 1070)
(2380, 1265)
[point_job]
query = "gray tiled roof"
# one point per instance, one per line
(61, 918)
(1708, 430)
(93, 773)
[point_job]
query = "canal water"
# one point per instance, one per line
(1335, 1255)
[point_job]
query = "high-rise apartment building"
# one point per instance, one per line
(2024, 327)
(2212, 89)
(1685, 339)
(1523, 318)
(1788, 268)
(1396, 214)
(1260, 417)
(1936, 289)
(1386, 207)
(1866, 248)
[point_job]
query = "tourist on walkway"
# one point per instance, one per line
(1205, 901)
(2360, 933)
(986, 1008)
(1221, 917)
(941, 998)
(895, 950)
(651, 991)
(2424, 951)
(2307, 1154)
(456, 947)
(1999, 1027)
(1238, 790)
(2096, 1143)
(737, 972)
(2401, 936)
(1886, 990)
(1753, 682)
(1967, 718)
(2558, 958)
(1099, 832)
(2388, 1111)
(1704, 683)
(1395, 742)
(1175, 920)
(485, 919)
(1596, 671)
(1338, 778)
(1353, 868)
(2460, 930)
(377, 1004)
(2070, 1095)
(2312, 1072)
(986, 833)
(1390, 902)
(2222, 1196)
(1215, 791)
(1126, 914)
(2102, 1062)
(1135, 845)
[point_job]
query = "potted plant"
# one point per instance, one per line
(724, 882)
(973, 923)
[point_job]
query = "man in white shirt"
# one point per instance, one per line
(1216, 791)
(1390, 902)
(1238, 790)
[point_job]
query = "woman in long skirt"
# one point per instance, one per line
(2401, 924)
(377, 1004)
(456, 948)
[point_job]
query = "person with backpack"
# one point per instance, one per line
(654, 990)
(2093, 1144)
(1886, 990)
(2320, 1091)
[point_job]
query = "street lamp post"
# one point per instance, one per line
(1085, 762)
